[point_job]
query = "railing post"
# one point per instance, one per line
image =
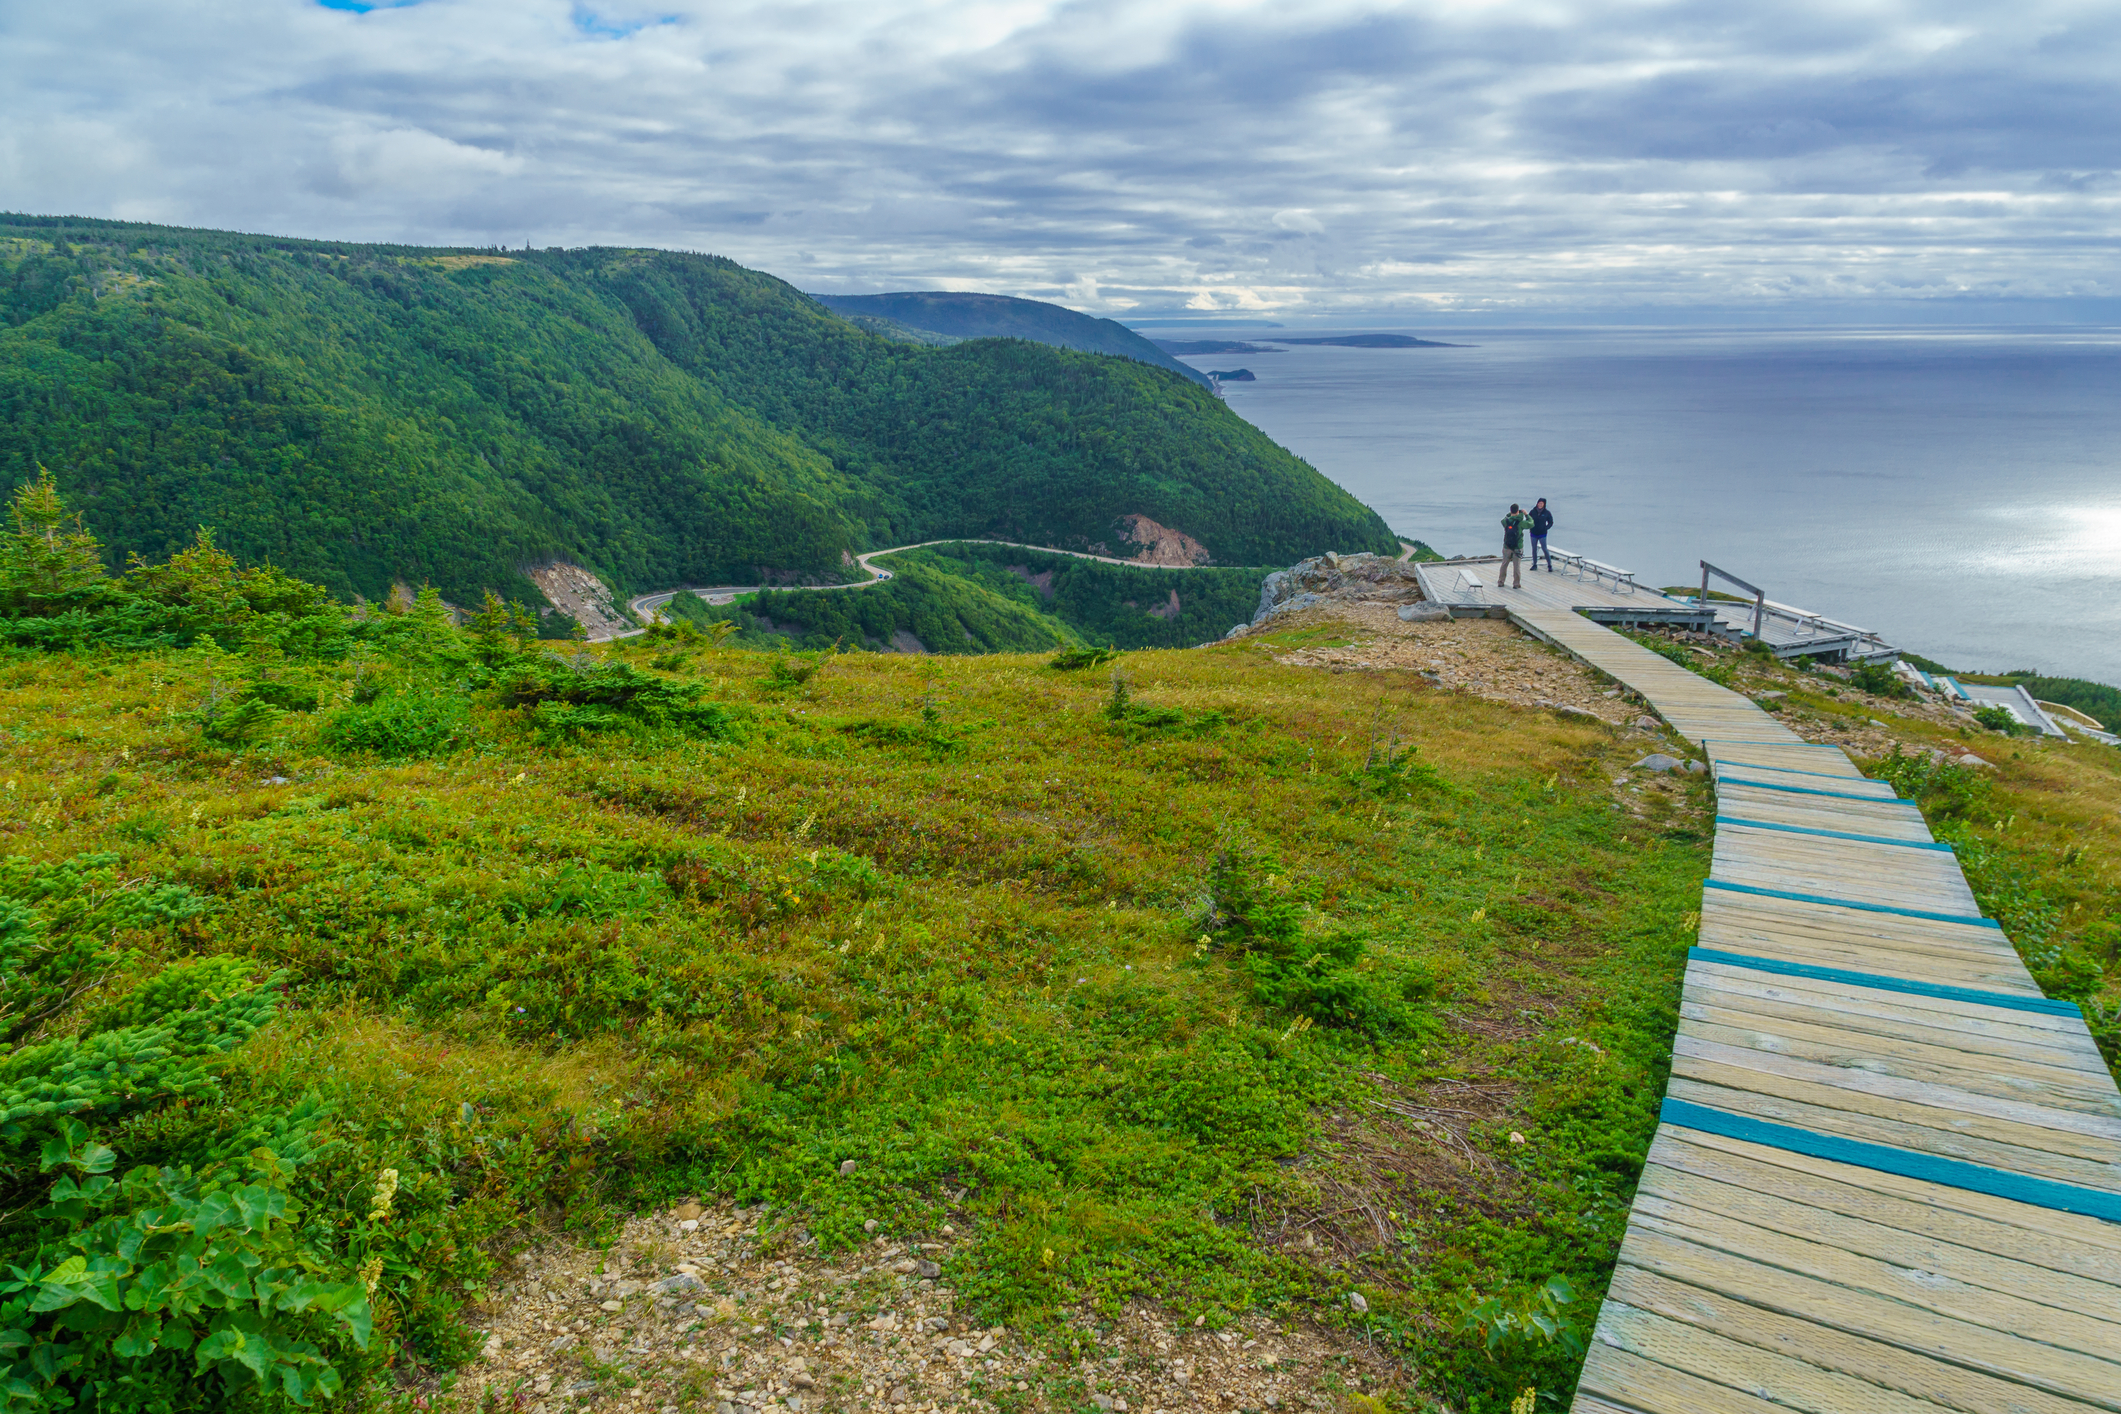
(1704, 584)
(1759, 610)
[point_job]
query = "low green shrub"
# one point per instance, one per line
(1069, 659)
(2000, 719)
(399, 727)
(1257, 915)
(567, 697)
(1879, 681)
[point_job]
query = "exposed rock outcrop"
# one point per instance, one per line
(1160, 544)
(580, 595)
(1330, 578)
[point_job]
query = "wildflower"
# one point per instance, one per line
(386, 1190)
(371, 1272)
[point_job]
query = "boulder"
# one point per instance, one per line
(1658, 761)
(1424, 613)
(1649, 723)
(675, 1285)
(1308, 582)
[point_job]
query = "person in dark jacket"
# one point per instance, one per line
(1542, 522)
(1514, 526)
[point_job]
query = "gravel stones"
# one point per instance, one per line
(779, 1327)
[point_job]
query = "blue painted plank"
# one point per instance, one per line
(1831, 834)
(1852, 903)
(2015, 1001)
(1808, 790)
(1930, 1168)
(1794, 771)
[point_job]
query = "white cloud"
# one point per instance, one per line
(1293, 156)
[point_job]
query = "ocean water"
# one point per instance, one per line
(1957, 491)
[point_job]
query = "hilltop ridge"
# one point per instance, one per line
(377, 416)
(963, 315)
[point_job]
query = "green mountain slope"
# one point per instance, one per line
(364, 414)
(970, 316)
(994, 599)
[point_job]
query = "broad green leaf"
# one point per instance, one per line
(220, 1344)
(216, 1211)
(259, 1205)
(72, 1269)
(139, 1338)
(55, 1296)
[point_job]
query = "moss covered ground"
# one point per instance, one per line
(1231, 986)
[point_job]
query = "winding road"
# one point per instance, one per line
(646, 606)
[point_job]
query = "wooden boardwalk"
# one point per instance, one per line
(1888, 1173)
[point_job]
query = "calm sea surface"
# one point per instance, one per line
(1958, 492)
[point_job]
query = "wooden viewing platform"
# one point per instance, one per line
(1888, 1173)
(1611, 596)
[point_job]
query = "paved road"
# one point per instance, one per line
(645, 606)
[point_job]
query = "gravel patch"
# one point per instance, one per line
(708, 1309)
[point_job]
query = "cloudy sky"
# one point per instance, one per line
(1297, 159)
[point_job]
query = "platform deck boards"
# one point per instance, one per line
(1897, 1206)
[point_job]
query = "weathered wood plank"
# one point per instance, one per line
(1878, 1363)
(1854, 1274)
(1651, 1388)
(1865, 1011)
(2034, 1028)
(1888, 1055)
(2024, 1281)
(1987, 1344)
(2070, 1241)
(2097, 1135)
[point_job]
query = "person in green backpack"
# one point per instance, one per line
(1514, 526)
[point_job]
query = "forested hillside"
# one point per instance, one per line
(954, 314)
(361, 415)
(969, 598)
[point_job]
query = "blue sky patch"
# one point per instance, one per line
(589, 22)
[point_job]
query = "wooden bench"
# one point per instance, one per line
(1620, 577)
(1473, 584)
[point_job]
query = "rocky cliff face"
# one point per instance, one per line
(1160, 544)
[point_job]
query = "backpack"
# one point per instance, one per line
(1510, 534)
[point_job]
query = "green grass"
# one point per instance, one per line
(1137, 978)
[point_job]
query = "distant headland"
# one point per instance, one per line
(1181, 347)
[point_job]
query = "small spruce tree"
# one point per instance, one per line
(49, 564)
